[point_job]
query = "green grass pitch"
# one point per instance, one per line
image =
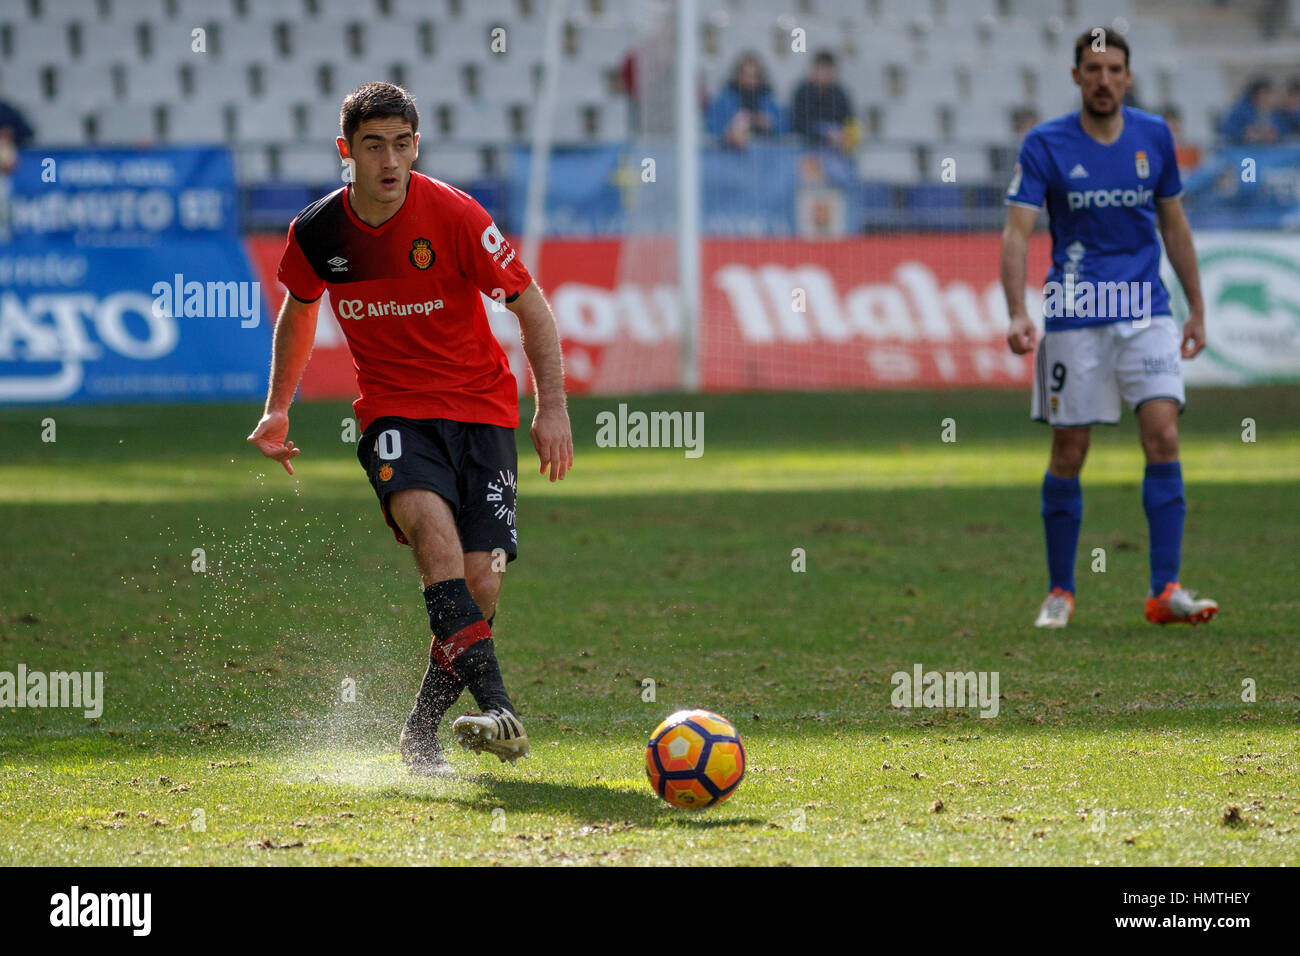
(225, 738)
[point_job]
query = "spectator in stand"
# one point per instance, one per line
(820, 112)
(1291, 109)
(745, 108)
(1254, 118)
(15, 134)
(1189, 157)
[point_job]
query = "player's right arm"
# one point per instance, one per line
(295, 333)
(1021, 334)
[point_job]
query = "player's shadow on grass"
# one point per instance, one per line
(591, 803)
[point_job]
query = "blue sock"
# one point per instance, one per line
(1162, 497)
(1062, 515)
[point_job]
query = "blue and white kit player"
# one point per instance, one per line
(1109, 179)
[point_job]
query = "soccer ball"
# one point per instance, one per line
(695, 759)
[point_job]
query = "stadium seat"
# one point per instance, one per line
(264, 119)
(458, 165)
(174, 41)
(430, 80)
(966, 12)
(260, 11)
(38, 42)
(889, 164)
(117, 39)
(1000, 83)
(900, 12)
(1099, 12)
(150, 80)
(244, 41)
(508, 80)
(198, 121)
(1055, 89)
(199, 12)
(972, 164)
(126, 124)
(342, 11)
(61, 127)
(909, 120)
(83, 86)
(342, 77)
(318, 41)
(309, 164)
(393, 39)
(981, 121)
(436, 10)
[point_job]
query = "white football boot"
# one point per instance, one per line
(1057, 609)
(496, 732)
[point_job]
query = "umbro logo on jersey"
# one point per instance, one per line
(337, 264)
(1078, 172)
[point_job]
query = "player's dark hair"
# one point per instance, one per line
(376, 101)
(1108, 38)
(824, 58)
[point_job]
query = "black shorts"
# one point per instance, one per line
(472, 466)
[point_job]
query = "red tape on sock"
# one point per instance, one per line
(446, 652)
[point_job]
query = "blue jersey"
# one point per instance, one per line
(1101, 203)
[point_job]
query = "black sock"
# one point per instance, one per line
(478, 668)
(463, 641)
(438, 692)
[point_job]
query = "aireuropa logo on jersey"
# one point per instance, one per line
(354, 309)
(1104, 198)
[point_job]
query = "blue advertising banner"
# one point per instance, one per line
(125, 279)
(1246, 187)
(124, 197)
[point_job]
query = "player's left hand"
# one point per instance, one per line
(553, 439)
(1193, 335)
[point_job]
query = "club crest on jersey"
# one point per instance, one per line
(385, 472)
(422, 253)
(1143, 167)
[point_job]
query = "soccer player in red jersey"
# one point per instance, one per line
(405, 258)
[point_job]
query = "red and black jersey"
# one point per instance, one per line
(407, 296)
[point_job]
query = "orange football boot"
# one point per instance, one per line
(1177, 606)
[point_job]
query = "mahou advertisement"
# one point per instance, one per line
(895, 312)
